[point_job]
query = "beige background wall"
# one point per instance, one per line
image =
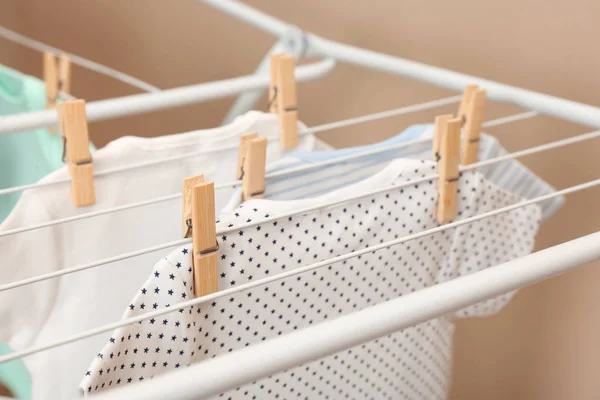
(545, 344)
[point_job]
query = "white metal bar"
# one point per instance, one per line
(82, 62)
(251, 16)
(261, 360)
(545, 104)
(146, 102)
(273, 278)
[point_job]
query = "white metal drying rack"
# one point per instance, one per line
(317, 341)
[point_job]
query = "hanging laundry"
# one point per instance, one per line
(253, 244)
(50, 311)
(510, 174)
(25, 157)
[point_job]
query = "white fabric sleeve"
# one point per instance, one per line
(492, 241)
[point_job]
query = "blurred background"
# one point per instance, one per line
(545, 344)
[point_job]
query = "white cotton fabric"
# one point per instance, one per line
(57, 308)
(411, 364)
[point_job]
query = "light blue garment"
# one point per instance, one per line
(510, 175)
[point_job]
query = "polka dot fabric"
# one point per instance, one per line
(411, 364)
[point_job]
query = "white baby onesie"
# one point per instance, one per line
(414, 363)
(58, 308)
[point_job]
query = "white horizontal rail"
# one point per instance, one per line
(146, 102)
(275, 355)
(251, 16)
(545, 104)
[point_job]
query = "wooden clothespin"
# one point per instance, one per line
(448, 170)
(252, 160)
(282, 98)
(51, 79)
(64, 73)
(244, 144)
(472, 130)
(466, 100)
(57, 77)
(440, 127)
(204, 239)
(188, 185)
(73, 126)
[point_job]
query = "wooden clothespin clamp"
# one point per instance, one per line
(448, 160)
(252, 159)
(466, 100)
(440, 128)
(76, 151)
(199, 221)
(471, 112)
(282, 98)
(57, 77)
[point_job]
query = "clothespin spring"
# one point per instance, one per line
(272, 99)
(64, 154)
(188, 222)
(209, 250)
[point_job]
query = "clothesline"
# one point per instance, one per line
(289, 273)
(462, 168)
(289, 171)
(83, 62)
(320, 128)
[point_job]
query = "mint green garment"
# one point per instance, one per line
(25, 157)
